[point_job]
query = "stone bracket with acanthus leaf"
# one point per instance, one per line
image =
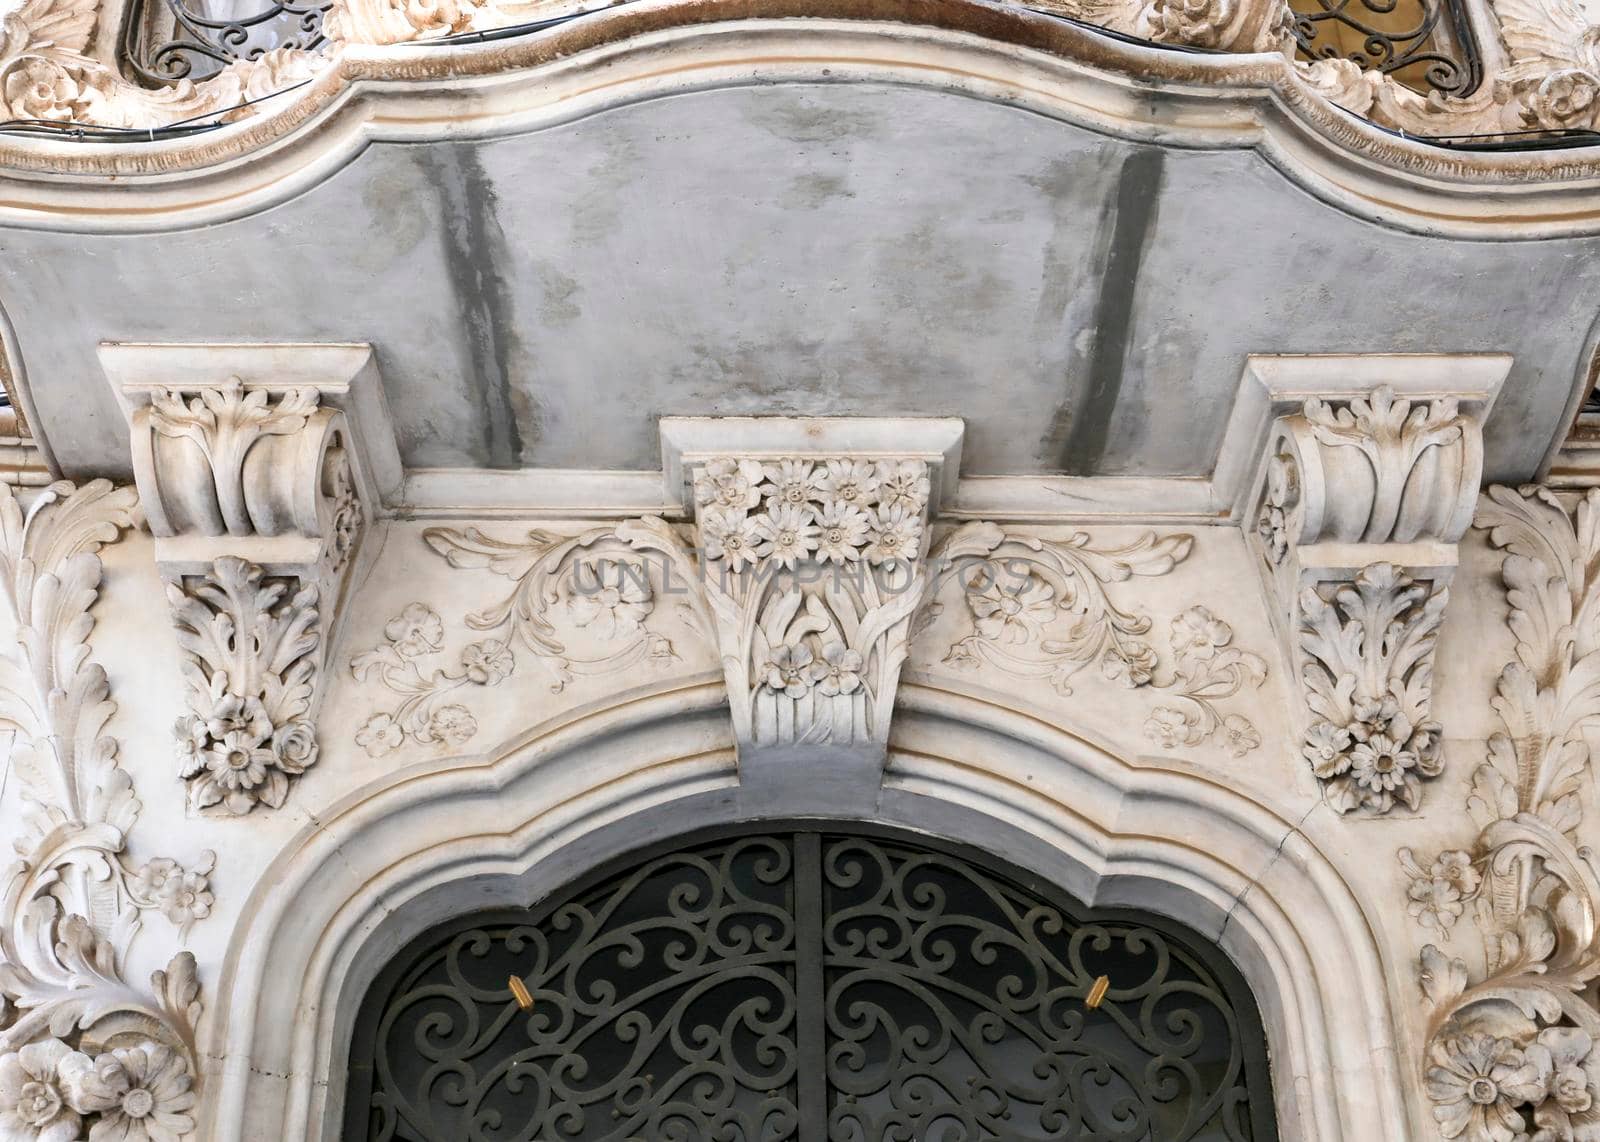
(260, 468)
(1366, 473)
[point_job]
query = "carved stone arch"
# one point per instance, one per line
(506, 828)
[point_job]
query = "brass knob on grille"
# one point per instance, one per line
(519, 992)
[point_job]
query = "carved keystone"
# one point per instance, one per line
(812, 540)
(259, 468)
(1365, 484)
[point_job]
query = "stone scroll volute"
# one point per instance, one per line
(1367, 475)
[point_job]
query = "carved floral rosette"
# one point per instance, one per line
(81, 1047)
(1513, 1049)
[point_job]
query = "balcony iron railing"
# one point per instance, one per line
(1427, 45)
(165, 41)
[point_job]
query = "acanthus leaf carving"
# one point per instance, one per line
(1368, 674)
(1513, 1051)
(1393, 435)
(73, 902)
(253, 498)
(252, 647)
(224, 423)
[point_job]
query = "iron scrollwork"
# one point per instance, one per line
(807, 986)
(1427, 45)
(165, 41)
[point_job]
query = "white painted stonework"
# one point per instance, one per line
(1114, 705)
(485, 458)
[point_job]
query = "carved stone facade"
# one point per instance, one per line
(82, 1046)
(471, 630)
(1546, 78)
(798, 411)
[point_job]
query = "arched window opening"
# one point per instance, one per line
(810, 983)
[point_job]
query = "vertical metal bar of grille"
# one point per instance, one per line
(812, 1031)
(814, 986)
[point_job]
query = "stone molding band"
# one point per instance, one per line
(1062, 70)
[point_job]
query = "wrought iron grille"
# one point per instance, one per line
(164, 41)
(1425, 44)
(853, 987)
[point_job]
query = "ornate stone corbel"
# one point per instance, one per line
(259, 485)
(1367, 481)
(811, 541)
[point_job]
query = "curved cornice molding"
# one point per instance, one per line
(386, 862)
(637, 52)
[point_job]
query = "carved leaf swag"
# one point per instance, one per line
(251, 656)
(78, 1042)
(1368, 674)
(1512, 1054)
(1040, 609)
(567, 587)
(48, 74)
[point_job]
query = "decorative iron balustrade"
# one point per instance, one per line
(848, 987)
(164, 41)
(1427, 45)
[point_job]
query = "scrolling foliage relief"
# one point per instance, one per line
(1041, 608)
(79, 1043)
(579, 608)
(1512, 1052)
